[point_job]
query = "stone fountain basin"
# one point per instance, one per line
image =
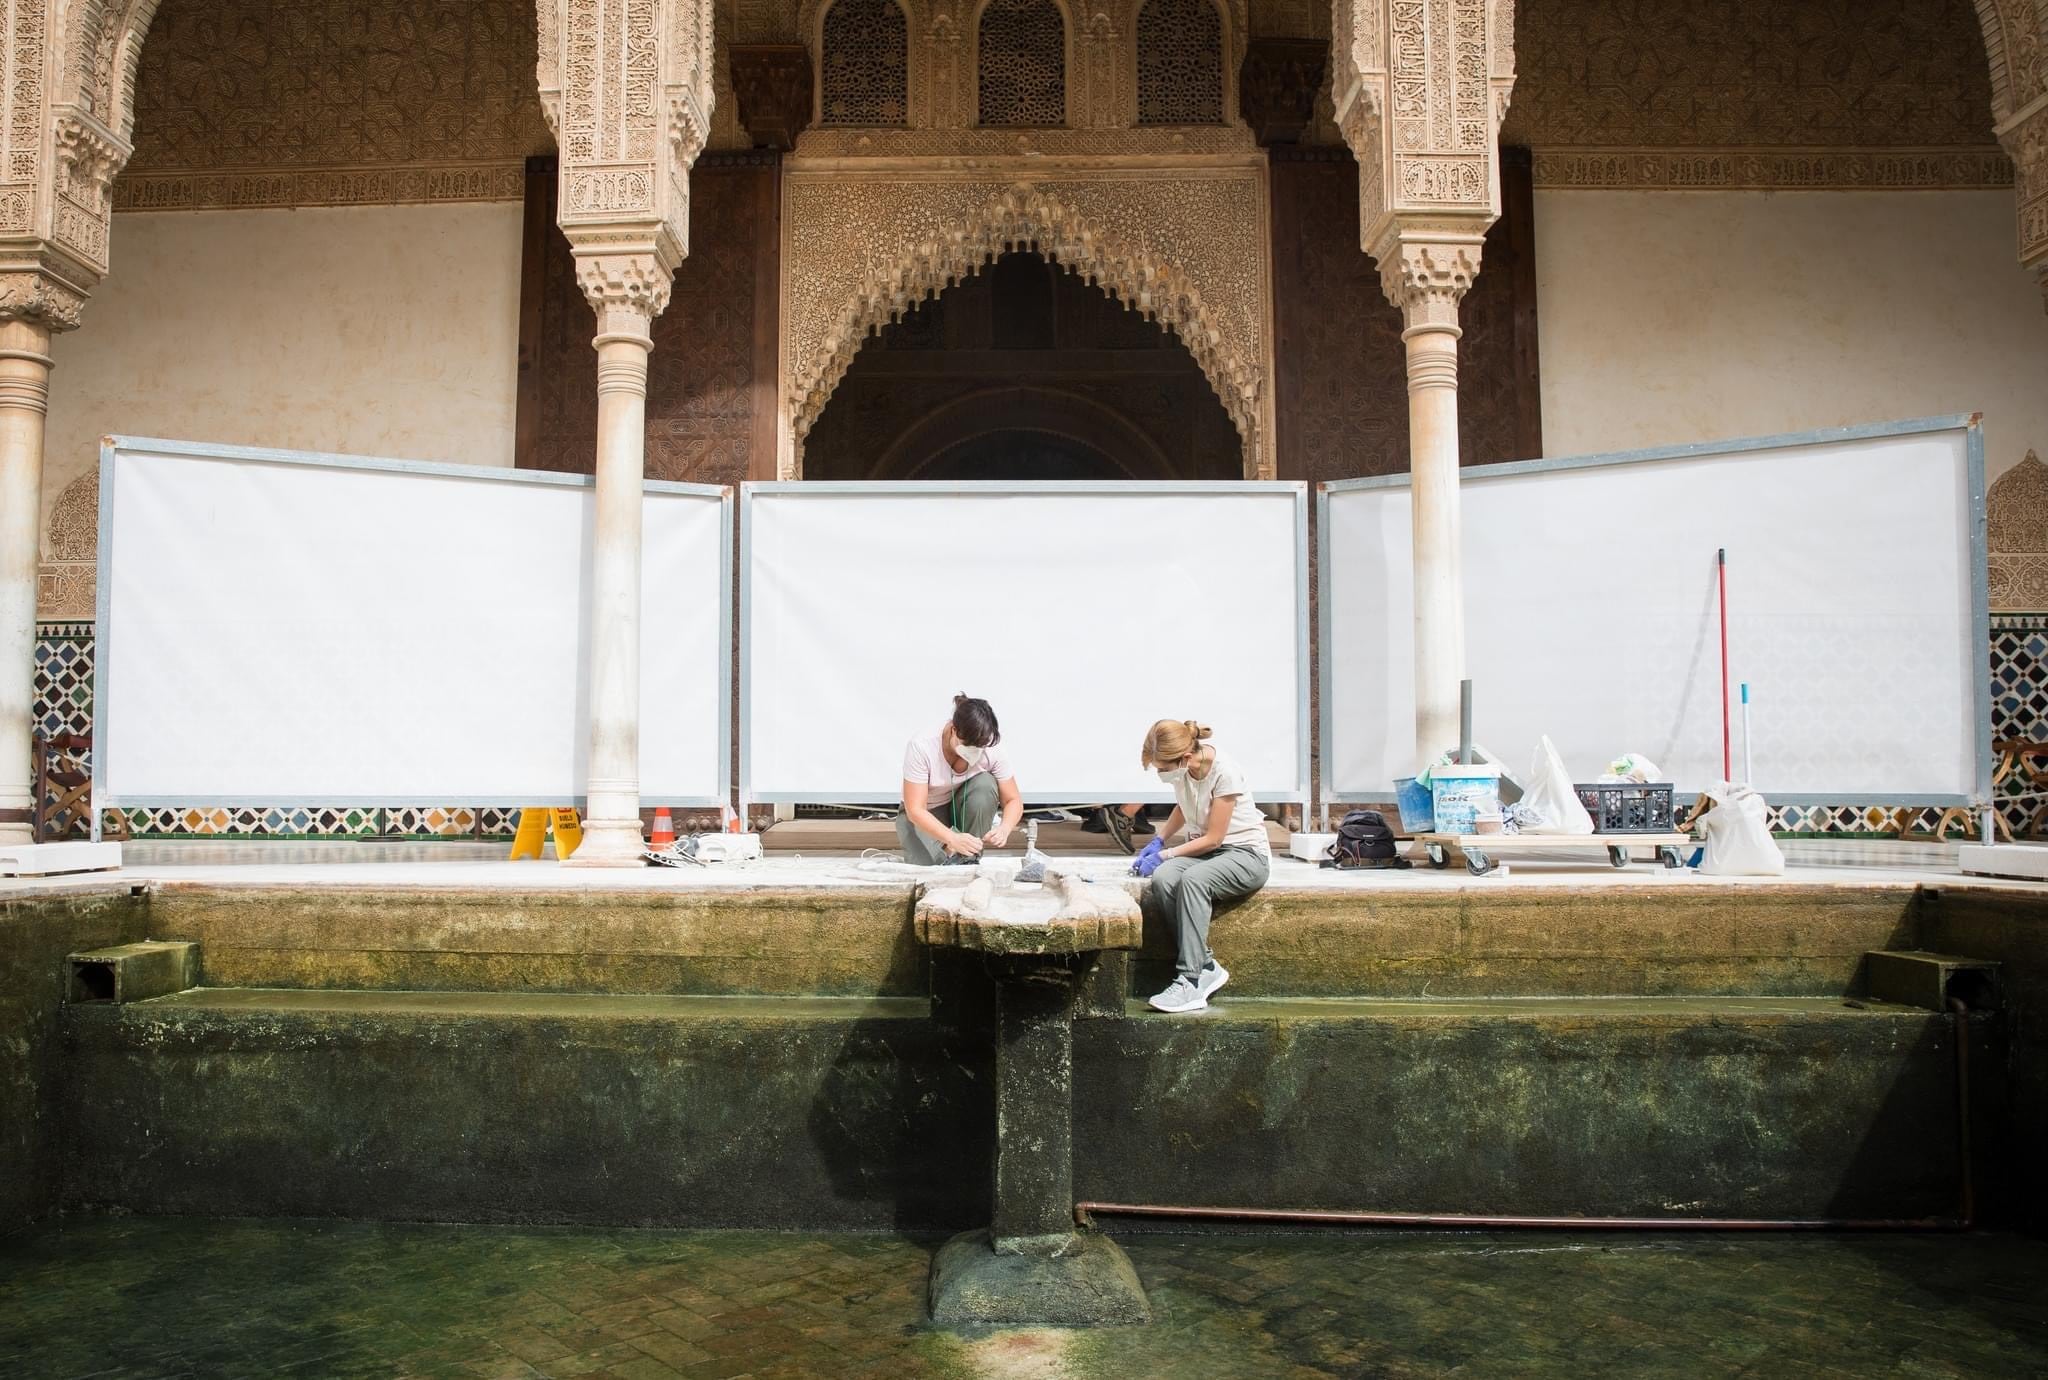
(990, 911)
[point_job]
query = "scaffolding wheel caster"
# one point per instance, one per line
(1670, 857)
(1476, 863)
(1618, 856)
(1439, 856)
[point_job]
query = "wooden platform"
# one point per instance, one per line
(1620, 850)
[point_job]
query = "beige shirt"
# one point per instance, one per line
(1247, 826)
(924, 759)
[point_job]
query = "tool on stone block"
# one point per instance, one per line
(1034, 861)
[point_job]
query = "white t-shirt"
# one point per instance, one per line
(925, 760)
(1247, 826)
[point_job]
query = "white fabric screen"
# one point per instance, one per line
(1081, 613)
(1855, 612)
(279, 628)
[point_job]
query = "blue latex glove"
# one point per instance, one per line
(1147, 862)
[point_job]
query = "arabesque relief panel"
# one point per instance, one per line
(1187, 246)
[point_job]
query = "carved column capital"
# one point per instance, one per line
(771, 82)
(626, 290)
(35, 294)
(1426, 271)
(2025, 137)
(1277, 85)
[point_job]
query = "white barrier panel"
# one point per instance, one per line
(1082, 613)
(282, 628)
(1856, 612)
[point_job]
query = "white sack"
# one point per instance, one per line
(1552, 795)
(1738, 835)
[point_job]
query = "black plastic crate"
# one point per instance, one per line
(1628, 807)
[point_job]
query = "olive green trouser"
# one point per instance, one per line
(972, 810)
(1189, 888)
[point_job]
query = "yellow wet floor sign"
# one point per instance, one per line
(533, 831)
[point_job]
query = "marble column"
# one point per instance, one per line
(1431, 338)
(1427, 279)
(24, 402)
(611, 829)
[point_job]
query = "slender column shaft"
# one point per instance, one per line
(1432, 341)
(612, 831)
(1034, 1208)
(24, 402)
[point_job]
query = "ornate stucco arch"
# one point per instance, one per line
(1027, 216)
(2013, 45)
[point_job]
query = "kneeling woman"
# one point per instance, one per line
(955, 783)
(1224, 857)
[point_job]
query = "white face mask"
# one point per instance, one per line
(971, 755)
(1174, 776)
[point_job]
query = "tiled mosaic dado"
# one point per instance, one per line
(63, 703)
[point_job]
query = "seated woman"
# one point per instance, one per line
(1225, 857)
(954, 784)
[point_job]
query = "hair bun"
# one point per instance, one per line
(960, 698)
(1201, 731)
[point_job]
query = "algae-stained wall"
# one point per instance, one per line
(35, 936)
(2012, 928)
(1689, 316)
(373, 330)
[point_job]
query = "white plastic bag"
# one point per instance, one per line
(1738, 834)
(1551, 794)
(1632, 766)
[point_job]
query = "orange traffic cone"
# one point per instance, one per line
(664, 835)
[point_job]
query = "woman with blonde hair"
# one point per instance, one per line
(1224, 856)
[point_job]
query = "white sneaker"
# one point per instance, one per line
(1211, 979)
(1183, 995)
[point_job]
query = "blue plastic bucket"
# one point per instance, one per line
(1418, 805)
(1462, 794)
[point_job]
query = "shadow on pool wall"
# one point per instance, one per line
(1528, 1071)
(36, 935)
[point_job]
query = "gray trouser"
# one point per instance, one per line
(1189, 888)
(972, 810)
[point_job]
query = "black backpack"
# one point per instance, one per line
(1364, 840)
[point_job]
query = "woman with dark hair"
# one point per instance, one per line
(955, 783)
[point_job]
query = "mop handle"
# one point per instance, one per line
(1727, 758)
(1748, 767)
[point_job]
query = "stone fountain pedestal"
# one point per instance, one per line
(1031, 1267)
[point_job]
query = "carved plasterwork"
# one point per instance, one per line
(66, 582)
(1419, 98)
(1754, 169)
(247, 103)
(1186, 248)
(64, 136)
(1719, 74)
(2016, 509)
(627, 86)
(2027, 139)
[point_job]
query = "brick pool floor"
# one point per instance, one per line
(131, 1297)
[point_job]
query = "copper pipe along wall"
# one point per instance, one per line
(1084, 1213)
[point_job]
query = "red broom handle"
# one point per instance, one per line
(1727, 761)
